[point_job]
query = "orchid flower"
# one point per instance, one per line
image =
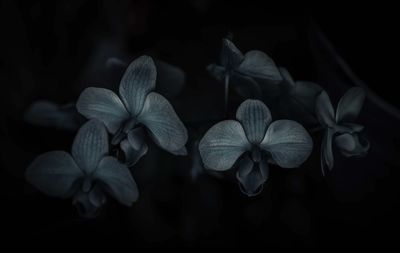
(87, 175)
(340, 126)
(251, 141)
(135, 111)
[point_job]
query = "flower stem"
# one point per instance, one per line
(226, 93)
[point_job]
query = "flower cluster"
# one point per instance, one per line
(90, 172)
(251, 144)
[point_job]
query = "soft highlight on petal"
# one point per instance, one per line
(252, 176)
(255, 118)
(350, 105)
(165, 127)
(222, 145)
(260, 65)
(288, 142)
(104, 105)
(90, 145)
(117, 180)
(54, 173)
(231, 56)
(137, 82)
(324, 110)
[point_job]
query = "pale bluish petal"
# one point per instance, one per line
(288, 142)
(54, 173)
(117, 180)
(132, 156)
(255, 118)
(252, 176)
(90, 145)
(181, 152)
(352, 145)
(324, 110)
(104, 105)
(231, 56)
(138, 147)
(350, 105)
(222, 145)
(137, 82)
(345, 142)
(165, 127)
(260, 65)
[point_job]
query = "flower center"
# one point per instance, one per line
(256, 154)
(123, 131)
(87, 184)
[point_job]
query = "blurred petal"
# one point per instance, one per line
(231, 56)
(299, 104)
(288, 142)
(306, 94)
(165, 127)
(132, 156)
(258, 64)
(104, 105)
(216, 71)
(117, 180)
(170, 79)
(222, 145)
(352, 145)
(252, 176)
(255, 118)
(324, 110)
(352, 127)
(245, 86)
(47, 114)
(287, 78)
(350, 105)
(345, 142)
(54, 173)
(326, 151)
(138, 81)
(90, 145)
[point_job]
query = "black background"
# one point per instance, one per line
(45, 53)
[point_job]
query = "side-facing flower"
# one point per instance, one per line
(251, 142)
(86, 175)
(244, 71)
(340, 126)
(136, 109)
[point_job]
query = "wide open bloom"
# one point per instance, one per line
(87, 175)
(251, 142)
(135, 110)
(340, 127)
